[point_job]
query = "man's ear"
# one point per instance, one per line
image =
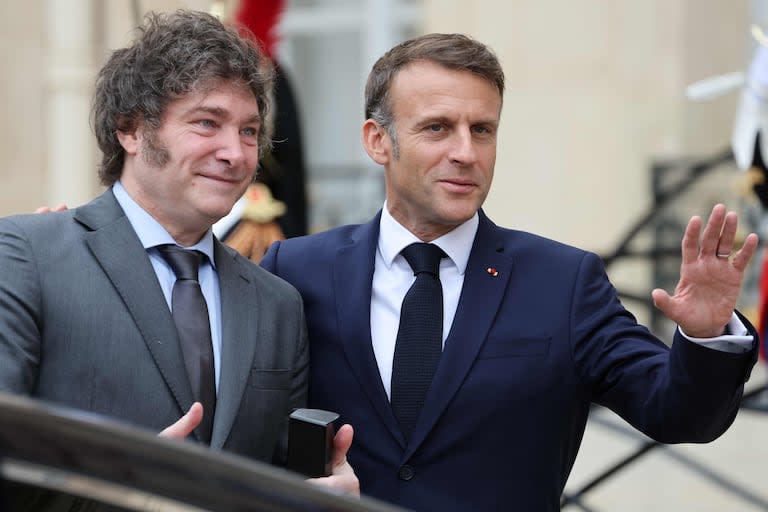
(130, 140)
(377, 142)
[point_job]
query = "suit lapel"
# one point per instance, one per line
(240, 312)
(480, 299)
(118, 250)
(353, 280)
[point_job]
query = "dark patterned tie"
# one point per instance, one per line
(190, 314)
(420, 337)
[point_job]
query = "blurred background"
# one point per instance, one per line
(598, 147)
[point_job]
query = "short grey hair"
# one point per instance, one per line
(452, 51)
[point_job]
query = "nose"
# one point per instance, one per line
(463, 151)
(231, 148)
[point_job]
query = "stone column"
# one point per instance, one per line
(71, 162)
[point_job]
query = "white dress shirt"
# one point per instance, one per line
(392, 277)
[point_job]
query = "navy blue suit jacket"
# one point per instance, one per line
(529, 350)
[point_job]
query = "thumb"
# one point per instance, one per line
(341, 443)
(661, 300)
(186, 424)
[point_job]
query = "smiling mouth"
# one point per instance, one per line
(458, 185)
(222, 179)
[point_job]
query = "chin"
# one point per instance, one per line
(219, 210)
(458, 216)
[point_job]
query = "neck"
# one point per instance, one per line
(183, 234)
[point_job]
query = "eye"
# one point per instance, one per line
(483, 130)
(435, 127)
(206, 123)
(250, 132)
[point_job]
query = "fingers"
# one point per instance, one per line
(341, 443)
(186, 424)
(726, 240)
(47, 209)
(690, 245)
(718, 237)
(742, 257)
(343, 480)
(725, 244)
(712, 231)
(661, 300)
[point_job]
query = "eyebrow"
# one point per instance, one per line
(221, 112)
(426, 121)
(494, 122)
(447, 119)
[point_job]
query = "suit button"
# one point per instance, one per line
(406, 472)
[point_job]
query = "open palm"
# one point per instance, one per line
(710, 276)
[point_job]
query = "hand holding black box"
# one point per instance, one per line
(310, 442)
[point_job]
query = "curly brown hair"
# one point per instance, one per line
(171, 56)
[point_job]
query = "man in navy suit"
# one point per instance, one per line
(532, 330)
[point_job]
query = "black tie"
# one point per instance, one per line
(190, 314)
(420, 336)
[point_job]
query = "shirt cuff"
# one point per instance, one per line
(738, 341)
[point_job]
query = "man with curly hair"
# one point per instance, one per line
(88, 297)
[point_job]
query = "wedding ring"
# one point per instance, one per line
(725, 256)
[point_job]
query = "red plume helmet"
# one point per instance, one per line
(261, 18)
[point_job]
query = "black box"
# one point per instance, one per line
(310, 441)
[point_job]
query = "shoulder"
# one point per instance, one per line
(39, 240)
(532, 253)
(32, 226)
(317, 249)
(233, 261)
(101, 211)
(523, 243)
(331, 239)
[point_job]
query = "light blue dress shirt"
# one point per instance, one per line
(151, 234)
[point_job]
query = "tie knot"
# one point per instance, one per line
(424, 258)
(185, 263)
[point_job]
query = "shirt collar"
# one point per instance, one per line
(150, 232)
(226, 223)
(457, 243)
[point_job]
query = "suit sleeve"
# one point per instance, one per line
(687, 394)
(269, 260)
(299, 382)
(20, 311)
(299, 386)
(301, 366)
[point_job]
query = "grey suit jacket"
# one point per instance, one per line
(83, 323)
